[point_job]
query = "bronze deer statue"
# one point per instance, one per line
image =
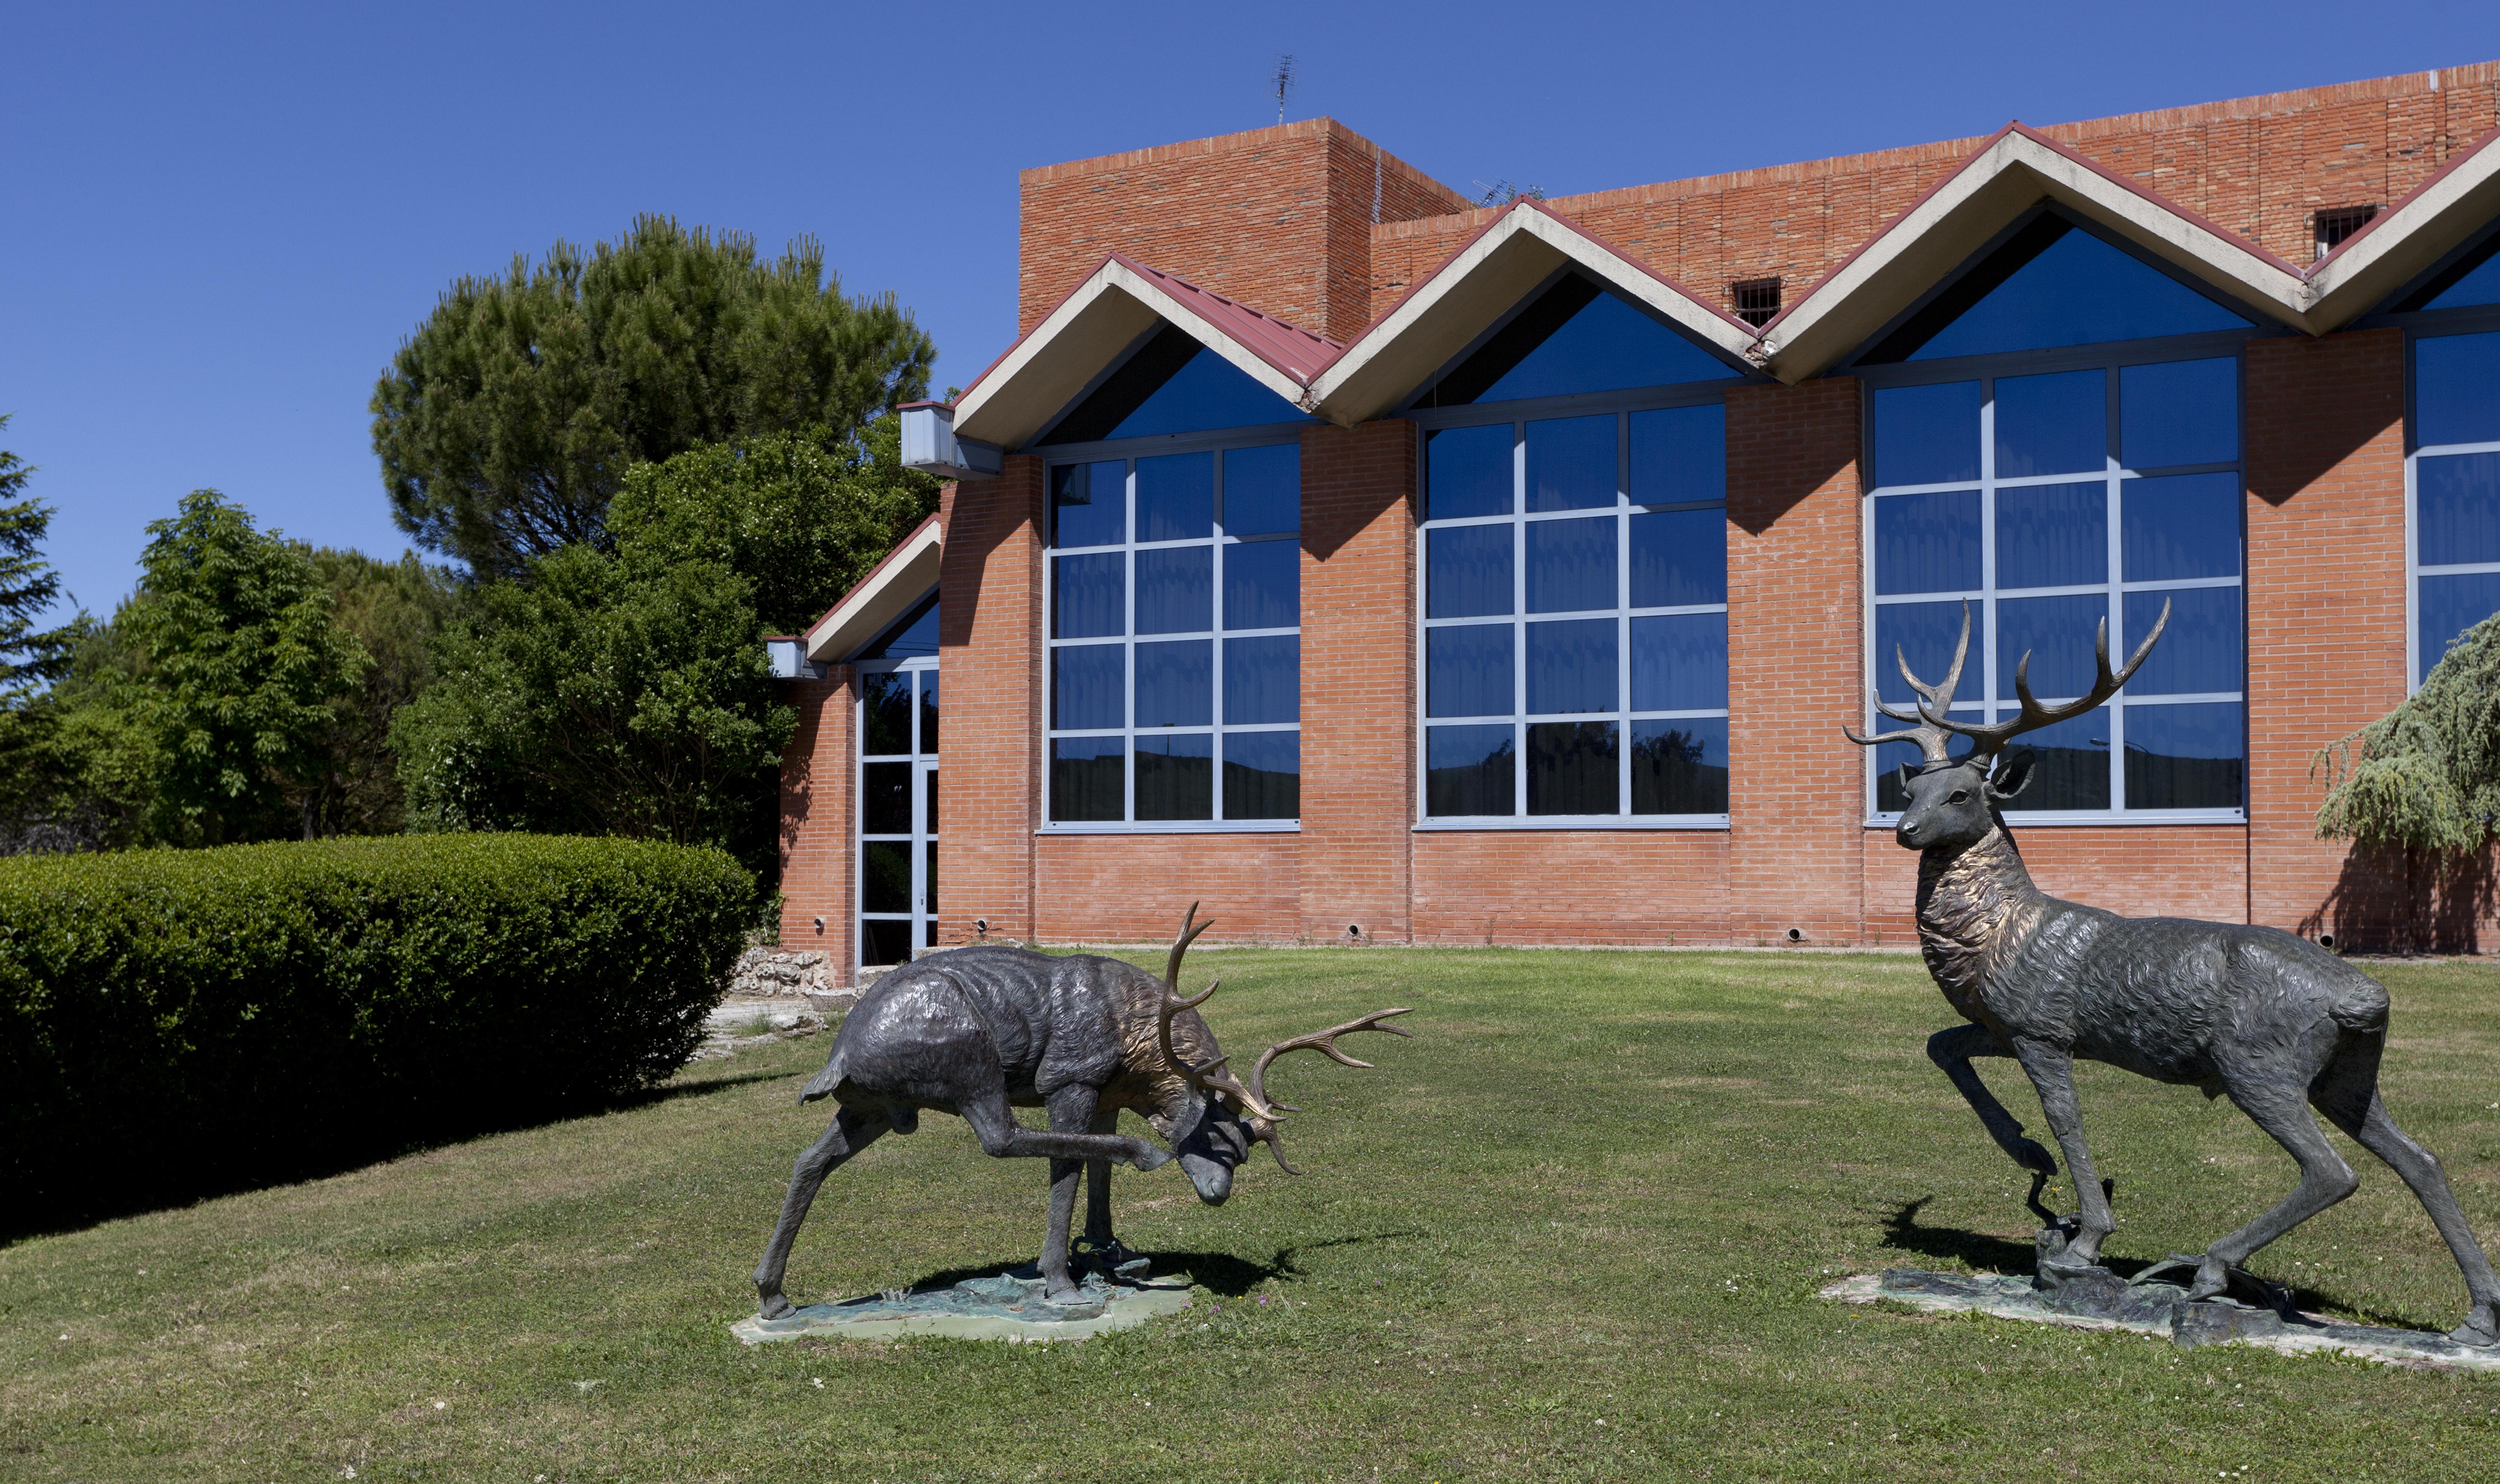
(2255, 1013)
(980, 1031)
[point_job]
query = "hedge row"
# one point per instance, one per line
(179, 1021)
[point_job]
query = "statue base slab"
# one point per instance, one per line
(2099, 1300)
(1009, 1306)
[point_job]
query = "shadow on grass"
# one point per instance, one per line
(109, 1198)
(1227, 1273)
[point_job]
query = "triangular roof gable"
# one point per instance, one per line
(2014, 170)
(892, 587)
(1445, 310)
(2407, 238)
(1115, 308)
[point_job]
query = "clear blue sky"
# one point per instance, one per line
(222, 220)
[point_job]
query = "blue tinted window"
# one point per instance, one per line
(1678, 453)
(1176, 777)
(1889, 758)
(2184, 757)
(1570, 565)
(1572, 768)
(1680, 663)
(1468, 671)
(1679, 557)
(1263, 490)
(1263, 775)
(2069, 763)
(1926, 435)
(1467, 572)
(1571, 463)
(2052, 535)
(2456, 389)
(1680, 766)
(2473, 279)
(2179, 412)
(1570, 666)
(2053, 284)
(2184, 526)
(912, 637)
(1172, 384)
(1575, 337)
(1087, 692)
(2053, 424)
(1089, 779)
(1469, 769)
(2056, 633)
(1469, 471)
(2456, 507)
(1175, 590)
(2448, 605)
(1923, 633)
(1090, 504)
(2199, 651)
(1928, 543)
(1176, 497)
(1088, 595)
(1262, 679)
(1262, 584)
(1175, 683)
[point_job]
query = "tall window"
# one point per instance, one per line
(1574, 569)
(2050, 484)
(1174, 595)
(2453, 474)
(898, 789)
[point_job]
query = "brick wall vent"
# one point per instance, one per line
(2338, 222)
(1756, 301)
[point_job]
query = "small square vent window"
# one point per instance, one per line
(2340, 222)
(1757, 300)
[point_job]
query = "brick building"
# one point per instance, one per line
(1376, 566)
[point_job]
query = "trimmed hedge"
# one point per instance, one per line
(174, 1022)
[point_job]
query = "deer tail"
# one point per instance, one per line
(823, 1083)
(2361, 1006)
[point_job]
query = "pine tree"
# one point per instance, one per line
(29, 656)
(2427, 775)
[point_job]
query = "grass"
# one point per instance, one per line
(1572, 1231)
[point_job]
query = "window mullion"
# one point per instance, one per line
(1519, 620)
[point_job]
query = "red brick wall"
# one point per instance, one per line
(1280, 220)
(817, 798)
(1796, 798)
(989, 657)
(1358, 679)
(2141, 870)
(1653, 889)
(1134, 888)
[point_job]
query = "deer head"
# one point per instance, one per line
(1953, 801)
(1224, 1115)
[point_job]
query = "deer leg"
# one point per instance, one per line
(1098, 1187)
(2325, 1179)
(1952, 1051)
(2052, 1071)
(2372, 1130)
(1071, 1108)
(852, 1130)
(995, 1125)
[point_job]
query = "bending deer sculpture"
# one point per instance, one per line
(982, 1030)
(2267, 1018)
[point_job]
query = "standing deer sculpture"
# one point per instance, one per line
(2270, 1020)
(982, 1030)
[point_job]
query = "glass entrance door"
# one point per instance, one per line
(898, 811)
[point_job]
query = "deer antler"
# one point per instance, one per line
(1936, 727)
(1323, 1041)
(1210, 1078)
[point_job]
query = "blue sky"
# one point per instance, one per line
(222, 222)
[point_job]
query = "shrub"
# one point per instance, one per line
(173, 1022)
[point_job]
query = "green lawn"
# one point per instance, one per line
(1572, 1230)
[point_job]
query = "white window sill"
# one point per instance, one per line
(1551, 822)
(1178, 827)
(2097, 820)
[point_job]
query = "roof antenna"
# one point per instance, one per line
(1284, 80)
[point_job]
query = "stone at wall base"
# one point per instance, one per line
(1007, 1305)
(2159, 1309)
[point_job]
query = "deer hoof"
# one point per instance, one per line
(772, 1305)
(2213, 1276)
(1149, 1157)
(2482, 1328)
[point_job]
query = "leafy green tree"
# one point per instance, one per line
(240, 659)
(509, 419)
(2427, 775)
(799, 520)
(395, 610)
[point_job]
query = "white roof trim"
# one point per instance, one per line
(883, 596)
(2408, 238)
(1956, 218)
(1015, 399)
(1438, 318)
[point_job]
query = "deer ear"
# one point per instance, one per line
(2013, 776)
(1905, 780)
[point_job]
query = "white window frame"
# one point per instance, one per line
(1131, 449)
(2435, 324)
(1518, 415)
(2109, 357)
(922, 761)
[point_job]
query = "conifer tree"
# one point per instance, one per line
(2427, 775)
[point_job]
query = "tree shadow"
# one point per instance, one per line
(2389, 899)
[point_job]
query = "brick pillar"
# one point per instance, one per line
(1795, 799)
(989, 658)
(2327, 612)
(816, 804)
(1358, 679)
